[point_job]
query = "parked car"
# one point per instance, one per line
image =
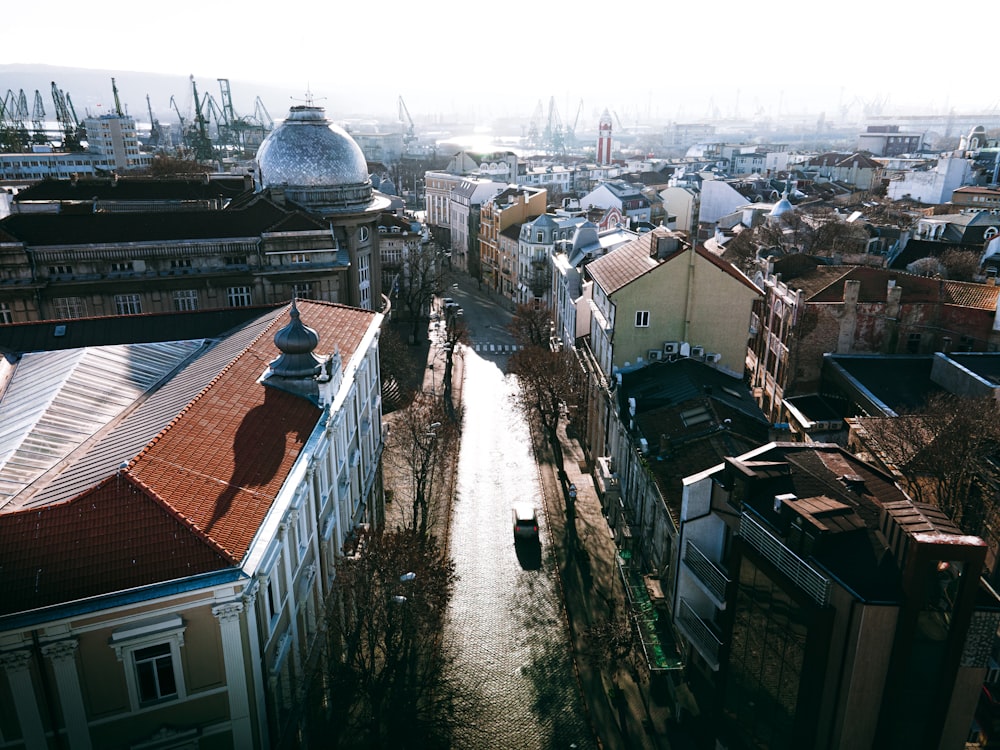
(525, 521)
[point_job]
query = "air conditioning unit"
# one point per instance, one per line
(654, 355)
(713, 357)
(671, 347)
(697, 352)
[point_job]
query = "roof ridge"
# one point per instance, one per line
(187, 407)
(175, 513)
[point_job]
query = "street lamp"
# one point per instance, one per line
(405, 578)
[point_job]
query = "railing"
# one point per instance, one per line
(699, 634)
(706, 571)
(804, 576)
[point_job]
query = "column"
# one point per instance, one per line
(62, 654)
(17, 665)
(256, 656)
(236, 677)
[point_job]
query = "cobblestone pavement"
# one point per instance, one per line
(506, 626)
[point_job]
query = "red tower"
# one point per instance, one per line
(604, 140)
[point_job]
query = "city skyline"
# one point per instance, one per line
(654, 62)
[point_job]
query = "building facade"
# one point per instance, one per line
(205, 514)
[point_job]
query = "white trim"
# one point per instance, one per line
(127, 640)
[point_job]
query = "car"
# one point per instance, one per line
(525, 521)
(447, 301)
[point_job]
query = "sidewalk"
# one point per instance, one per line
(618, 699)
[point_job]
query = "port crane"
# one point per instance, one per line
(156, 139)
(38, 119)
(66, 117)
(404, 117)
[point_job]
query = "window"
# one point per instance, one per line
(302, 291)
(186, 299)
(154, 673)
(69, 307)
(642, 318)
(6, 315)
(60, 270)
(180, 263)
(363, 234)
(298, 258)
(128, 304)
(913, 343)
(235, 260)
(150, 652)
(122, 266)
(239, 296)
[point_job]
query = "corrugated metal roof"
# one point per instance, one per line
(57, 400)
(127, 438)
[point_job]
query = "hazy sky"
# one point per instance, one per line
(672, 60)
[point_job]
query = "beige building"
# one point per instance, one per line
(660, 297)
(498, 254)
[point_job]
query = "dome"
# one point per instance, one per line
(782, 207)
(317, 163)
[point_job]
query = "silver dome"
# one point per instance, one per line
(315, 161)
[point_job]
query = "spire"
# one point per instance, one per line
(296, 342)
(296, 368)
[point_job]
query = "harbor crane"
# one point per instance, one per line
(66, 117)
(404, 117)
(38, 119)
(156, 139)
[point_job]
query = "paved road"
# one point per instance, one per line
(506, 625)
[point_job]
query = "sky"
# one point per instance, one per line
(643, 60)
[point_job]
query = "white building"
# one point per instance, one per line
(167, 560)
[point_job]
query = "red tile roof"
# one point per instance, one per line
(192, 500)
(916, 289)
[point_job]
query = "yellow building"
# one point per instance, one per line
(659, 297)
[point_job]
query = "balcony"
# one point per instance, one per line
(708, 574)
(803, 575)
(700, 634)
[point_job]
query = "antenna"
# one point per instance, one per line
(310, 100)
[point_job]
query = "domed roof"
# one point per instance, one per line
(309, 156)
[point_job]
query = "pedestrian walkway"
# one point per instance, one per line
(617, 693)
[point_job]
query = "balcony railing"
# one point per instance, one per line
(710, 575)
(701, 636)
(807, 578)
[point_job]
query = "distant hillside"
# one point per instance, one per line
(91, 92)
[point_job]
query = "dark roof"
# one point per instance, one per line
(691, 416)
(135, 189)
(839, 484)
(47, 335)
(113, 228)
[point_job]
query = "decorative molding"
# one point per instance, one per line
(228, 612)
(60, 651)
(15, 661)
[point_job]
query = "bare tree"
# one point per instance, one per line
(385, 682)
(419, 278)
(942, 450)
(421, 450)
(531, 326)
(928, 266)
(551, 383)
(456, 334)
(960, 265)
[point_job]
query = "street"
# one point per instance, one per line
(506, 627)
